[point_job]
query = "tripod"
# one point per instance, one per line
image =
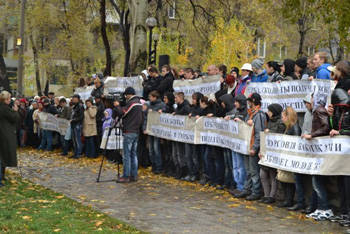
(118, 133)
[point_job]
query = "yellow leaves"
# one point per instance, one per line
(251, 207)
(26, 217)
(98, 223)
(234, 205)
(57, 230)
(60, 197)
(270, 208)
(152, 214)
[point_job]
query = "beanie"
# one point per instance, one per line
(301, 62)
(129, 90)
(257, 63)
(276, 109)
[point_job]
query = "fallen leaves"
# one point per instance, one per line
(57, 230)
(98, 223)
(26, 217)
(251, 207)
(234, 205)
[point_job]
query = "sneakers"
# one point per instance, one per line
(339, 218)
(320, 215)
(123, 180)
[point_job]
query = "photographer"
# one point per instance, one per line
(132, 117)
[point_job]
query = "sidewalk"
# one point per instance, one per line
(158, 204)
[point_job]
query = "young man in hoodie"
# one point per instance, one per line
(252, 187)
(239, 113)
(183, 108)
(320, 61)
(260, 74)
(155, 104)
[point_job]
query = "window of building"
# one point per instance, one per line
(172, 10)
(261, 47)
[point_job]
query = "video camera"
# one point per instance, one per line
(116, 96)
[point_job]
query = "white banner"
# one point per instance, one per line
(207, 85)
(290, 93)
(84, 93)
(319, 156)
(50, 122)
(115, 140)
(119, 84)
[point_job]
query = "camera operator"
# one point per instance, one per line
(132, 117)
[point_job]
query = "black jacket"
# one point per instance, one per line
(166, 84)
(275, 125)
(241, 112)
(150, 85)
(97, 92)
(77, 114)
(131, 114)
(100, 112)
(51, 109)
(294, 130)
(183, 108)
(208, 110)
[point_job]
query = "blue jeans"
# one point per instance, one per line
(252, 182)
(191, 157)
(90, 149)
(239, 173)
(299, 188)
(64, 144)
(46, 140)
(228, 168)
(130, 163)
(205, 168)
(154, 154)
(76, 137)
(318, 184)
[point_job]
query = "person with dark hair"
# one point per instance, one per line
(183, 108)
(98, 89)
(32, 139)
(155, 104)
(152, 83)
(223, 70)
(132, 118)
(99, 119)
(342, 75)
(76, 123)
(287, 70)
(260, 74)
(268, 174)
(166, 83)
(46, 139)
(65, 113)
(197, 73)
(235, 72)
(252, 187)
(301, 68)
(81, 83)
(90, 129)
(273, 70)
(189, 74)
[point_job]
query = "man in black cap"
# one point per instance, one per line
(301, 68)
(252, 187)
(76, 125)
(132, 118)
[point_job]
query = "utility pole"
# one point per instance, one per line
(21, 51)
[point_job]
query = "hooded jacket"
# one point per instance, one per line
(241, 112)
(307, 125)
(77, 115)
(276, 76)
(98, 92)
(322, 72)
(341, 117)
(107, 121)
(228, 100)
(320, 120)
(262, 77)
(259, 120)
(166, 84)
(171, 101)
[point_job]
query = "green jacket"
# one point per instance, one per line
(8, 140)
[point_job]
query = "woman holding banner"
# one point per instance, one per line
(8, 144)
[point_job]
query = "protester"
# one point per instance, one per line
(267, 174)
(76, 124)
(98, 89)
(212, 70)
(260, 74)
(246, 77)
(287, 70)
(166, 83)
(8, 144)
(46, 139)
(64, 112)
(90, 129)
(273, 70)
(301, 68)
(152, 83)
(320, 62)
(132, 119)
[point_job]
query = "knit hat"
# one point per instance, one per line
(257, 63)
(275, 108)
(301, 62)
(129, 90)
(255, 98)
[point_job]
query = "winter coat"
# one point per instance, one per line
(65, 113)
(89, 124)
(307, 125)
(131, 114)
(170, 106)
(51, 109)
(166, 84)
(262, 77)
(208, 110)
(97, 92)
(108, 121)
(259, 120)
(29, 122)
(195, 110)
(77, 115)
(36, 119)
(228, 100)
(322, 72)
(149, 85)
(241, 112)
(242, 85)
(183, 108)
(8, 142)
(320, 123)
(153, 106)
(276, 76)
(275, 125)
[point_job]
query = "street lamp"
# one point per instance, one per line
(155, 38)
(151, 22)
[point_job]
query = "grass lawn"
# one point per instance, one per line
(29, 208)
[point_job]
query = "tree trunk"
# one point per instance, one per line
(36, 66)
(4, 81)
(138, 35)
(108, 69)
(301, 43)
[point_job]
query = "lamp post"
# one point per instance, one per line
(151, 22)
(155, 38)
(21, 50)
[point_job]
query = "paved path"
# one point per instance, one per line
(158, 204)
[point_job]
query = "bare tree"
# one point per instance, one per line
(108, 69)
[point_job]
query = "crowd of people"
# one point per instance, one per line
(219, 167)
